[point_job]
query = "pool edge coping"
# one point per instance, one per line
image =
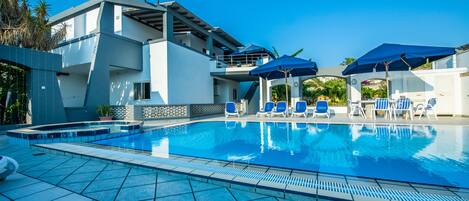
(287, 189)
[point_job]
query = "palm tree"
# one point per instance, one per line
(347, 61)
(277, 55)
(20, 26)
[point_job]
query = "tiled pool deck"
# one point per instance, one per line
(127, 174)
(56, 176)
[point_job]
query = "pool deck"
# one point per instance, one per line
(338, 119)
(45, 175)
(102, 173)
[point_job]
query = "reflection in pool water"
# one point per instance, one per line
(413, 153)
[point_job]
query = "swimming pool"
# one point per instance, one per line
(411, 153)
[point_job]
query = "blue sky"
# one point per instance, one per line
(330, 30)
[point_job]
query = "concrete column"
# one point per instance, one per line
(106, 18)
(168, 26)
(295, 92)
(455, 61)
(80, 28)
(209, 45)
(262, 92)
(348, 82)
(269, 90)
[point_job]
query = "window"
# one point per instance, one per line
(235, 94)
(142, 91)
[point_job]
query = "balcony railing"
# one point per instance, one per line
(244, 60)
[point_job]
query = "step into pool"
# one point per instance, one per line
(437, 155)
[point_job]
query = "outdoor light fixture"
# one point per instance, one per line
(295, 84)
(354, 81)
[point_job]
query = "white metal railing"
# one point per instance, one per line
(242, 60)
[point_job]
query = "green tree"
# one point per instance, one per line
(368, 92)
(332, 89)
(347, 61)
(20, 26)
(277, 54)
(278, 93)
(28, 28)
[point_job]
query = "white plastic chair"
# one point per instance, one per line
(403, 105)
(430, 107)
(382, 104)
(355, 107)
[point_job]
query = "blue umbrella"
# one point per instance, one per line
(395, 57)
(284, 67)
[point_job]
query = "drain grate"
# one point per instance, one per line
(368, 191)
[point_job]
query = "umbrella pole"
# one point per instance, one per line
(286, 88)
(386, 65)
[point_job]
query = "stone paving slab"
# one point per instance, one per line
(96, 179)
(21, 187)
(327, 184)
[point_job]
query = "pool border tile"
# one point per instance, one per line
(264, 187)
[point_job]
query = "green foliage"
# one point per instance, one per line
(426, 66)
(347, 61)
(278, 93)
(334, 90)
(277, 54)
(23, 27)
(13, 99)
(297, 52)
(103, 110)
(372, 93)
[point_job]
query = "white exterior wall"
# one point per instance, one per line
(422, 85)
(465, 95)
(225, 91)
(138, 31)
(190, 40)
(158, 62)
(463, 60)
(91, 21)
(73, 89)
(189, 79)
(80, 25)
(177, 75)
(197, 43)
(77, 53)
(122, 81)
(183, 39)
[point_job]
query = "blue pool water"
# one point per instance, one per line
(413, 153)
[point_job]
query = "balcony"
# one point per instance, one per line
(242, 61)
(237, 67)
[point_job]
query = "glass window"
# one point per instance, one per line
(235, 94)
(142, 91)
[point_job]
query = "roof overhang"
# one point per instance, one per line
(155, 20)
(92, 4)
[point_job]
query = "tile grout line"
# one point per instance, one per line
(352, 188)
(54, 167)
(156, 185)
(120, 188)
(192, 190)
(73, 172)
(82, 191)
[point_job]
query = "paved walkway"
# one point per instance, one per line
(56, 177)
(338, 119)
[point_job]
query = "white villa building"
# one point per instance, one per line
(126, 52)
(132, 53)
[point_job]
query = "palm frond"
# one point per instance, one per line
(297, 52)
(275, 52)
